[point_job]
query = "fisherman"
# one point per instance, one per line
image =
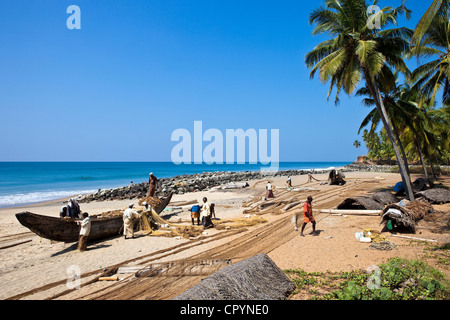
(128, 225)
(152, 184)
(148, 214)
(65, 212)
(84, 232)
(195, 213)
(289, 183)
(213, 211)
(308, 216)
(206, 214)
(74, 209)
(269, 192)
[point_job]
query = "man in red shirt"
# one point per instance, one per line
(308, 216)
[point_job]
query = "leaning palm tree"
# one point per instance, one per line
(396, 99)
(359, 48)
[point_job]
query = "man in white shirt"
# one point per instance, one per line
(85, 230)
(269, 193)
(205, 214)
(128, 224)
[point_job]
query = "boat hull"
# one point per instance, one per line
(67, 230)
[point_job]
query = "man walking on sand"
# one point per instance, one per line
(308, 216)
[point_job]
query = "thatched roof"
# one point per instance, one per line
(376, 201)
(410, 214)
(436, 195)
(362, 202)
(384, 197)
(257, 278)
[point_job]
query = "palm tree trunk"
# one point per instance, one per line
(400, 145)
(427, 155)
(422, 161)
(384, 118)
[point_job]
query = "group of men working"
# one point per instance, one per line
(206, 212)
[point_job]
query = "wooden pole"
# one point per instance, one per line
(356, 211)
(414, 238)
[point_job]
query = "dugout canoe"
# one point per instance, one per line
(67, 230)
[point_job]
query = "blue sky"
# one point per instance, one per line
(137, 70)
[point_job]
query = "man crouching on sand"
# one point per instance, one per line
(308, 216)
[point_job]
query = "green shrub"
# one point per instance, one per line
(397, 279)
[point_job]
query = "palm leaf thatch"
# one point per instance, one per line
(256, 278)
(436, 195)
(409, 215)
(376, 201)
(362, 202)
(384, 197)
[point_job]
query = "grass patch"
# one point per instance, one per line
(397, 279)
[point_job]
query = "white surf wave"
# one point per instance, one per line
(35, 197)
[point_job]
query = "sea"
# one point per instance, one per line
(23, 183)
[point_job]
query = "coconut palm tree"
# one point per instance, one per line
(359, 50)
(437, 8)
(434, 45)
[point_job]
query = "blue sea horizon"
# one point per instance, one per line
(23, 183)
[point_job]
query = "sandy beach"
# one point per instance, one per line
(37, 268)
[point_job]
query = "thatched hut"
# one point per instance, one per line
(384, 197)
(436, 195)
(376, 201)
(405, 217)
(256, 278)
(361, 202)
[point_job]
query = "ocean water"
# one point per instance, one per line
(31, 182)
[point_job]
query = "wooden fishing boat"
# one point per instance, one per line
(67, 229)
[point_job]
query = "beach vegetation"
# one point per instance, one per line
(399, 279)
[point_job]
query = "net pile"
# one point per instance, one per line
(256, 278)
(152, 201)
(383, 245)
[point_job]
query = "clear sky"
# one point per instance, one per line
(116, 89)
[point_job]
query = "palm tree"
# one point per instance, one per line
(434, 44)
(437, 8)
(356, 144)
(359, 51)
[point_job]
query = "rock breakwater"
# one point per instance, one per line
(191, 183)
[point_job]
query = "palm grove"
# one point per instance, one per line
(365, 55)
